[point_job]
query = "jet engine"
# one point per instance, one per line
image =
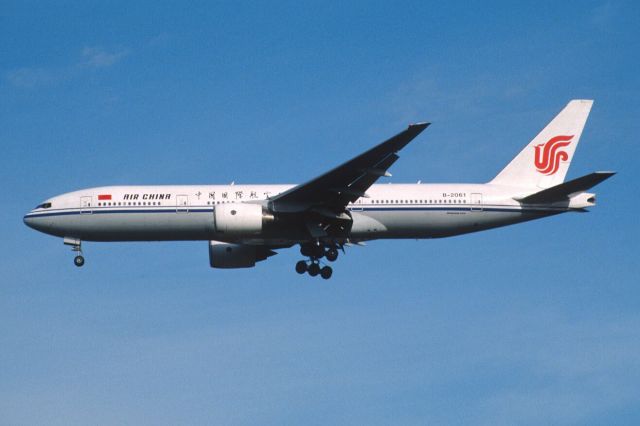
(240, 218)
(228, 255)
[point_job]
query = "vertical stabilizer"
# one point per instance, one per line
(545, 161)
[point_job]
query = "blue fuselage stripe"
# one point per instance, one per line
(175, 210)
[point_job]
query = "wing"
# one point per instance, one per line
(347, 182)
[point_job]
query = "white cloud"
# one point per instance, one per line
(30, 77)
(92, 58)
(99, 58)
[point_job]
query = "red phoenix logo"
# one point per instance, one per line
(549, 155)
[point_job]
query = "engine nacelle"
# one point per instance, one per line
(240, 218)
(228, 255)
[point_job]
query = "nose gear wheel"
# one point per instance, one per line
(76, 246)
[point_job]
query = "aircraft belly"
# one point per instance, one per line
(435, 223)
(137, 226)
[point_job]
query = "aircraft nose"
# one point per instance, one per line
(29, 220)
(38, 223)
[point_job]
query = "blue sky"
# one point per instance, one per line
(532, 324)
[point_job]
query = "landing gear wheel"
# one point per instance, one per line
(78, 261)
(314, 269)
(301, 267)
(318, 251)
(331, 255)
(305, 250)
(326, 272)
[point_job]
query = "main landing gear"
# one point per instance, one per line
(314, 269)
(315, 252)
(76, 246)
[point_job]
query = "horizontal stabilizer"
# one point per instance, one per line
(564, 190)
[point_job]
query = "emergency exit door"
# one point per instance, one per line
(182, 204)
(476, 202)
(85, 205)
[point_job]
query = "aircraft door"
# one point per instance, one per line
(85, 205)
(476, 202)
(182, 204)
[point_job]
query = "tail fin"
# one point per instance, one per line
(545, 161)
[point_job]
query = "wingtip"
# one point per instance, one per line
(582, 101)
(421, 125)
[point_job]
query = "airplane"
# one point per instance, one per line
(246, 224)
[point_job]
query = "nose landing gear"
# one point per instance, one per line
(76, 246)
(78, 260)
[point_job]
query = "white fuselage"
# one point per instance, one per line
(156, 213)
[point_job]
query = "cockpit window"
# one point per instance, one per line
(44, 206)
